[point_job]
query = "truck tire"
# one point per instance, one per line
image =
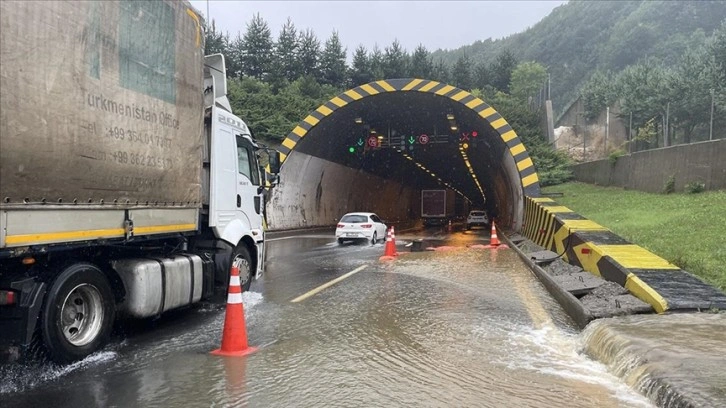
(78, 313)
(241, 259)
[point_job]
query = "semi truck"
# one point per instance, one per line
(128, 187)
(437, 206)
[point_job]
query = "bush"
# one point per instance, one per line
(614, 155)
(695, 187)
(670, 185)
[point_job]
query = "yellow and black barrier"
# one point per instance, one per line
(603, 253)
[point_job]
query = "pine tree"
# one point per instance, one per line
(501, 70)
(461, 73)
(376, 64)
(395, 61)
(360, 72)
(286, 52)
(440, 71)
(308, 53)
(481, 76)
(256, 48)
(332, 62)
(421, 66)
(215, 42)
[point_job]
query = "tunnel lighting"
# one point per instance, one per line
(450, 116)
(465, 146)
(380, 137)
(454, 128)
(359, 120)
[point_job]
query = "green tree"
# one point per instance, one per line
(360, 72)
(461, 73)
(480, 76)
(528, 78)
(332, 62)
(376, 64)
(598, 92)
(421, 65)
(642, 90)
(286, 52)
(215, 42)
(308, 54)
(256, 49)
(501, 70)
(440, 72)
(395, 61)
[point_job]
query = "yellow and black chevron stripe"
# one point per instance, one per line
(527, 172)
(603, 253)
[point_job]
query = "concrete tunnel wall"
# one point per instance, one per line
(316, 192)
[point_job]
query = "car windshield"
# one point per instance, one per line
(476, 214)
(354, 219)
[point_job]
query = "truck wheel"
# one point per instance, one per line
(241, 259)
(78, 313)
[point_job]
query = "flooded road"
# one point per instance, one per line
(455, 327)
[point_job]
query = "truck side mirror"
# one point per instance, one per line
(275, 162)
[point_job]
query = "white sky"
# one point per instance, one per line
(435, 24)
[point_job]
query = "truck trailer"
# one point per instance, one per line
(127, 185)
(437, 206)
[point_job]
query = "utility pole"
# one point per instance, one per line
(710, 130)
(607, 127)
(666, 133)
(549, 84)
(630, 133)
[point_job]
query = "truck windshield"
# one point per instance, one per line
(247, 160)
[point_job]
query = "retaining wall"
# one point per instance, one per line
(703, 162)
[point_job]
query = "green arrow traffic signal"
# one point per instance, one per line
(412, 140)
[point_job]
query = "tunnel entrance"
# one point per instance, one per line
(375, 147)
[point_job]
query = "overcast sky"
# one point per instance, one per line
(436, 24)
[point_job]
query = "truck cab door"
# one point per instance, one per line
(235, 205)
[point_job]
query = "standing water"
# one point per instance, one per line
(463, 328)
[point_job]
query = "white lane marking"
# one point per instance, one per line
(329, 284)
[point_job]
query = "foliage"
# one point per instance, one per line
(332, 62)
(597, 93)
(615, 155)
(694, 187)
(501, 70)
(256, 49)
(581, 37)
(685, 229)
(421, 65)
(460, 73)
(669, 186)
(527, 79)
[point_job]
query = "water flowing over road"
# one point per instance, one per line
(460, 326)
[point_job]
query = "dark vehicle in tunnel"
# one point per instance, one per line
(437, 206)
(360, 226)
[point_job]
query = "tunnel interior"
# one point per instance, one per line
(375, 147)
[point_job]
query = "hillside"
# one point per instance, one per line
(580, 37)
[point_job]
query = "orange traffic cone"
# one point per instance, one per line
(234, 335)
(390, 251)
(494, 240)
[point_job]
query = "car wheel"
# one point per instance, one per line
(78, 313)
(374, 239)
(340, 241)
(241, 259)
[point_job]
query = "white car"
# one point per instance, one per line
(477, 218)
(360, 226)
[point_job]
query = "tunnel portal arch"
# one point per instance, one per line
(512, 177)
